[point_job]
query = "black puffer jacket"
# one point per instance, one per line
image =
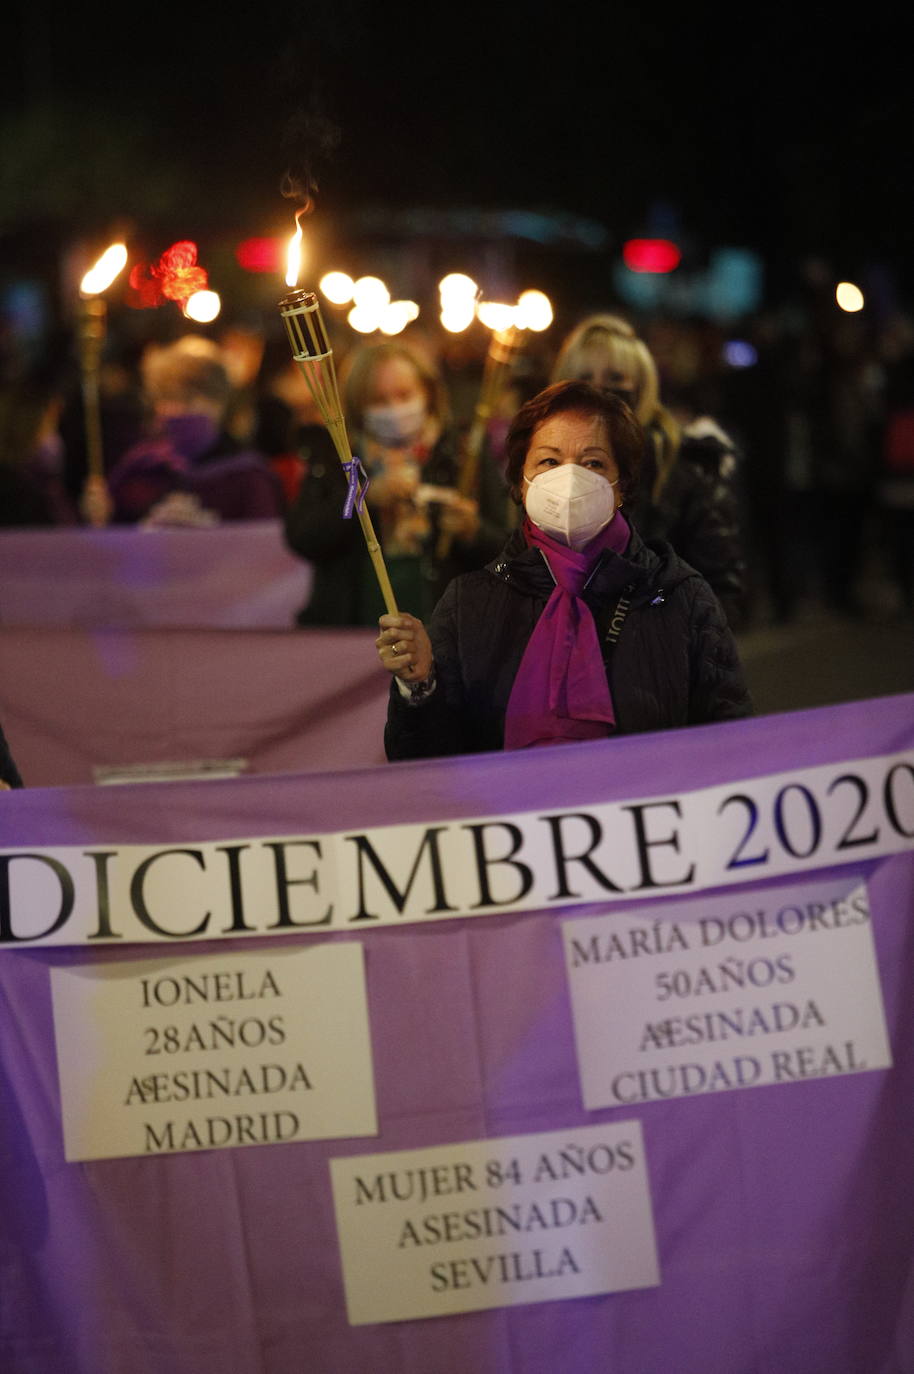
(696, 509)
(675, 661)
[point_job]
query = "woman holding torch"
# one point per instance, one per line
(578, 630)
(397, 416)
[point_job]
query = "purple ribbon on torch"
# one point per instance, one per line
(355, 496)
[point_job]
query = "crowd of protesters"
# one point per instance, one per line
(794, 430)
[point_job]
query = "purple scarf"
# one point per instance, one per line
(560, 691)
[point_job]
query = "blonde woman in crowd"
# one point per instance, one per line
(686, 494)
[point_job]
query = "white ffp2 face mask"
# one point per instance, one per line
(571, 503)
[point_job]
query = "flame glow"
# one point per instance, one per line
(457, 315)
(533, 311)
(363, 320)
(495, 315)
(457, 287)
(370, 293)
(337, 287)
(102, 274)
(203, 306)
(397, 315)
(294, 254)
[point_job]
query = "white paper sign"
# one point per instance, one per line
(158, 1056)
(494, 1223)
(779, 987)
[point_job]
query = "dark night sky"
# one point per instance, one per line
(782, 133)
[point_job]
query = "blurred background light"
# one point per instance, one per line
(739, 353)
(260, 254)
(458, 316)
(533, 311)
(849, 297)
(495, 315)
(203, 306)
(364, 319)
(370, 294)
(651, 255)
(397, 315)
(455, 287)
(337, 287)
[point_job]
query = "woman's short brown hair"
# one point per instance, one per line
(625, 434)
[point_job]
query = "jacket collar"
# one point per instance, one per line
(641, 572)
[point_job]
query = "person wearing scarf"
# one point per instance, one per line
(579, 630)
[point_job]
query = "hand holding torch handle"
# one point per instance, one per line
(311, 349)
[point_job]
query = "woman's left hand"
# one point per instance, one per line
(404, 647)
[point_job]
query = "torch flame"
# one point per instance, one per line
(293, 257)
(495, 315)
(102, 274)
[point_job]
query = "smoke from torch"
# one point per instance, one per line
(309, 139)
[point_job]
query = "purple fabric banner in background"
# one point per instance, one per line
(233, 576)
(281, 701)
(784, 1215)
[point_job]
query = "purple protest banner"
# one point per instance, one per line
(278, 701)
(233, 576)
(784, 1214)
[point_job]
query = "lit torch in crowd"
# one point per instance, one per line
(507, 323)
(504, 347)
(506, 342)
(311, 349)
(93, 316)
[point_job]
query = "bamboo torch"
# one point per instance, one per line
(503, 348)
(311, 349)
(92, 321)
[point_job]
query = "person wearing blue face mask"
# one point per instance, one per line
(397, 417)
(579, 630)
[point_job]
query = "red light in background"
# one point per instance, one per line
(261, 255)
(651, 255)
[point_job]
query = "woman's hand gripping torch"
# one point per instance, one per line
(311, 349)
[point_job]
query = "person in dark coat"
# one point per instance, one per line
(579, 630)
(397, 418)
(686, 493)
(32, 489)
